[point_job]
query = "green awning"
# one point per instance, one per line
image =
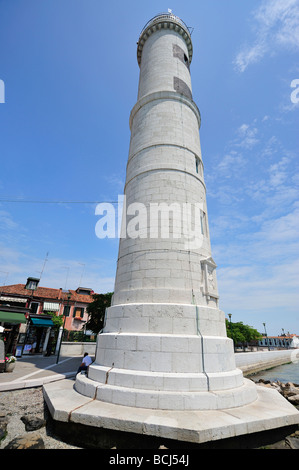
(12, 317)
(42, 321)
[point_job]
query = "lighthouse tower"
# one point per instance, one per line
(164, 366)
(164, 343)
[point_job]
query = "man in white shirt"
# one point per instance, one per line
(85, 362)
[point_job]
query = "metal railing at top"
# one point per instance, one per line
(167, 16)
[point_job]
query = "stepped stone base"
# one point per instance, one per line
(167, 357)
(167, 400)
(269, 411)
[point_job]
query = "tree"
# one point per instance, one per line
(241, 333)
(96, 311)
(56, 319)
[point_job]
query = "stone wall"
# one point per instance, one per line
(77, 349)
(261, 360)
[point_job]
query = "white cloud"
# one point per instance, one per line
(233, 161)
(68, 274)
(263, 174)
(230, 163)
(16, 266)
(250, 242)
(249, 55)
(232, 166)
(276, 25)
(247, 136)
(255, 239)
(281, 230)
(258, 272)
(256, 288)
(6, 221)
(116, 181)
(278, 172)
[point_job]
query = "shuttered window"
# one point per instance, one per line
(51, 307)
(78, 312)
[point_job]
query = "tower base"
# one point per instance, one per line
(269, 411)
(179, 400)
(166, 357)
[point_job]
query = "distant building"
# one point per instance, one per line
(26, 311)
(282, 341)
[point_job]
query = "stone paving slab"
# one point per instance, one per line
(269, 411)
(34, 371)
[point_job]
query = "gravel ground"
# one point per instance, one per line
(28, 402)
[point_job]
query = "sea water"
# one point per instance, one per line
(284, 373)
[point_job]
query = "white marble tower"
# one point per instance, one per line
(164, 344)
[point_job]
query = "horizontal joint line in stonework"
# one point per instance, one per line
(158, 251)
(164, 145)
(165, 95)
(165, 169)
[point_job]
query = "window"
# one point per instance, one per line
(51, 307)
(203, 223)
(78, 312)
(34, 307)
(66, 310)
(32, 283)
(186, 60)
(180, 54)
(83, 291)
(198, 166)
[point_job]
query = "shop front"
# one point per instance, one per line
(38, 335)
(13, 323)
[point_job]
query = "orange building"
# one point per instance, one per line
(26, 310)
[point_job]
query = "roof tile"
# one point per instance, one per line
(44, 293)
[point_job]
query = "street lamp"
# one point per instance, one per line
(230, 326)
(266, 336)
(60, 341)
(31, 284)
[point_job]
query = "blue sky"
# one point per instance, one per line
(71, 76)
